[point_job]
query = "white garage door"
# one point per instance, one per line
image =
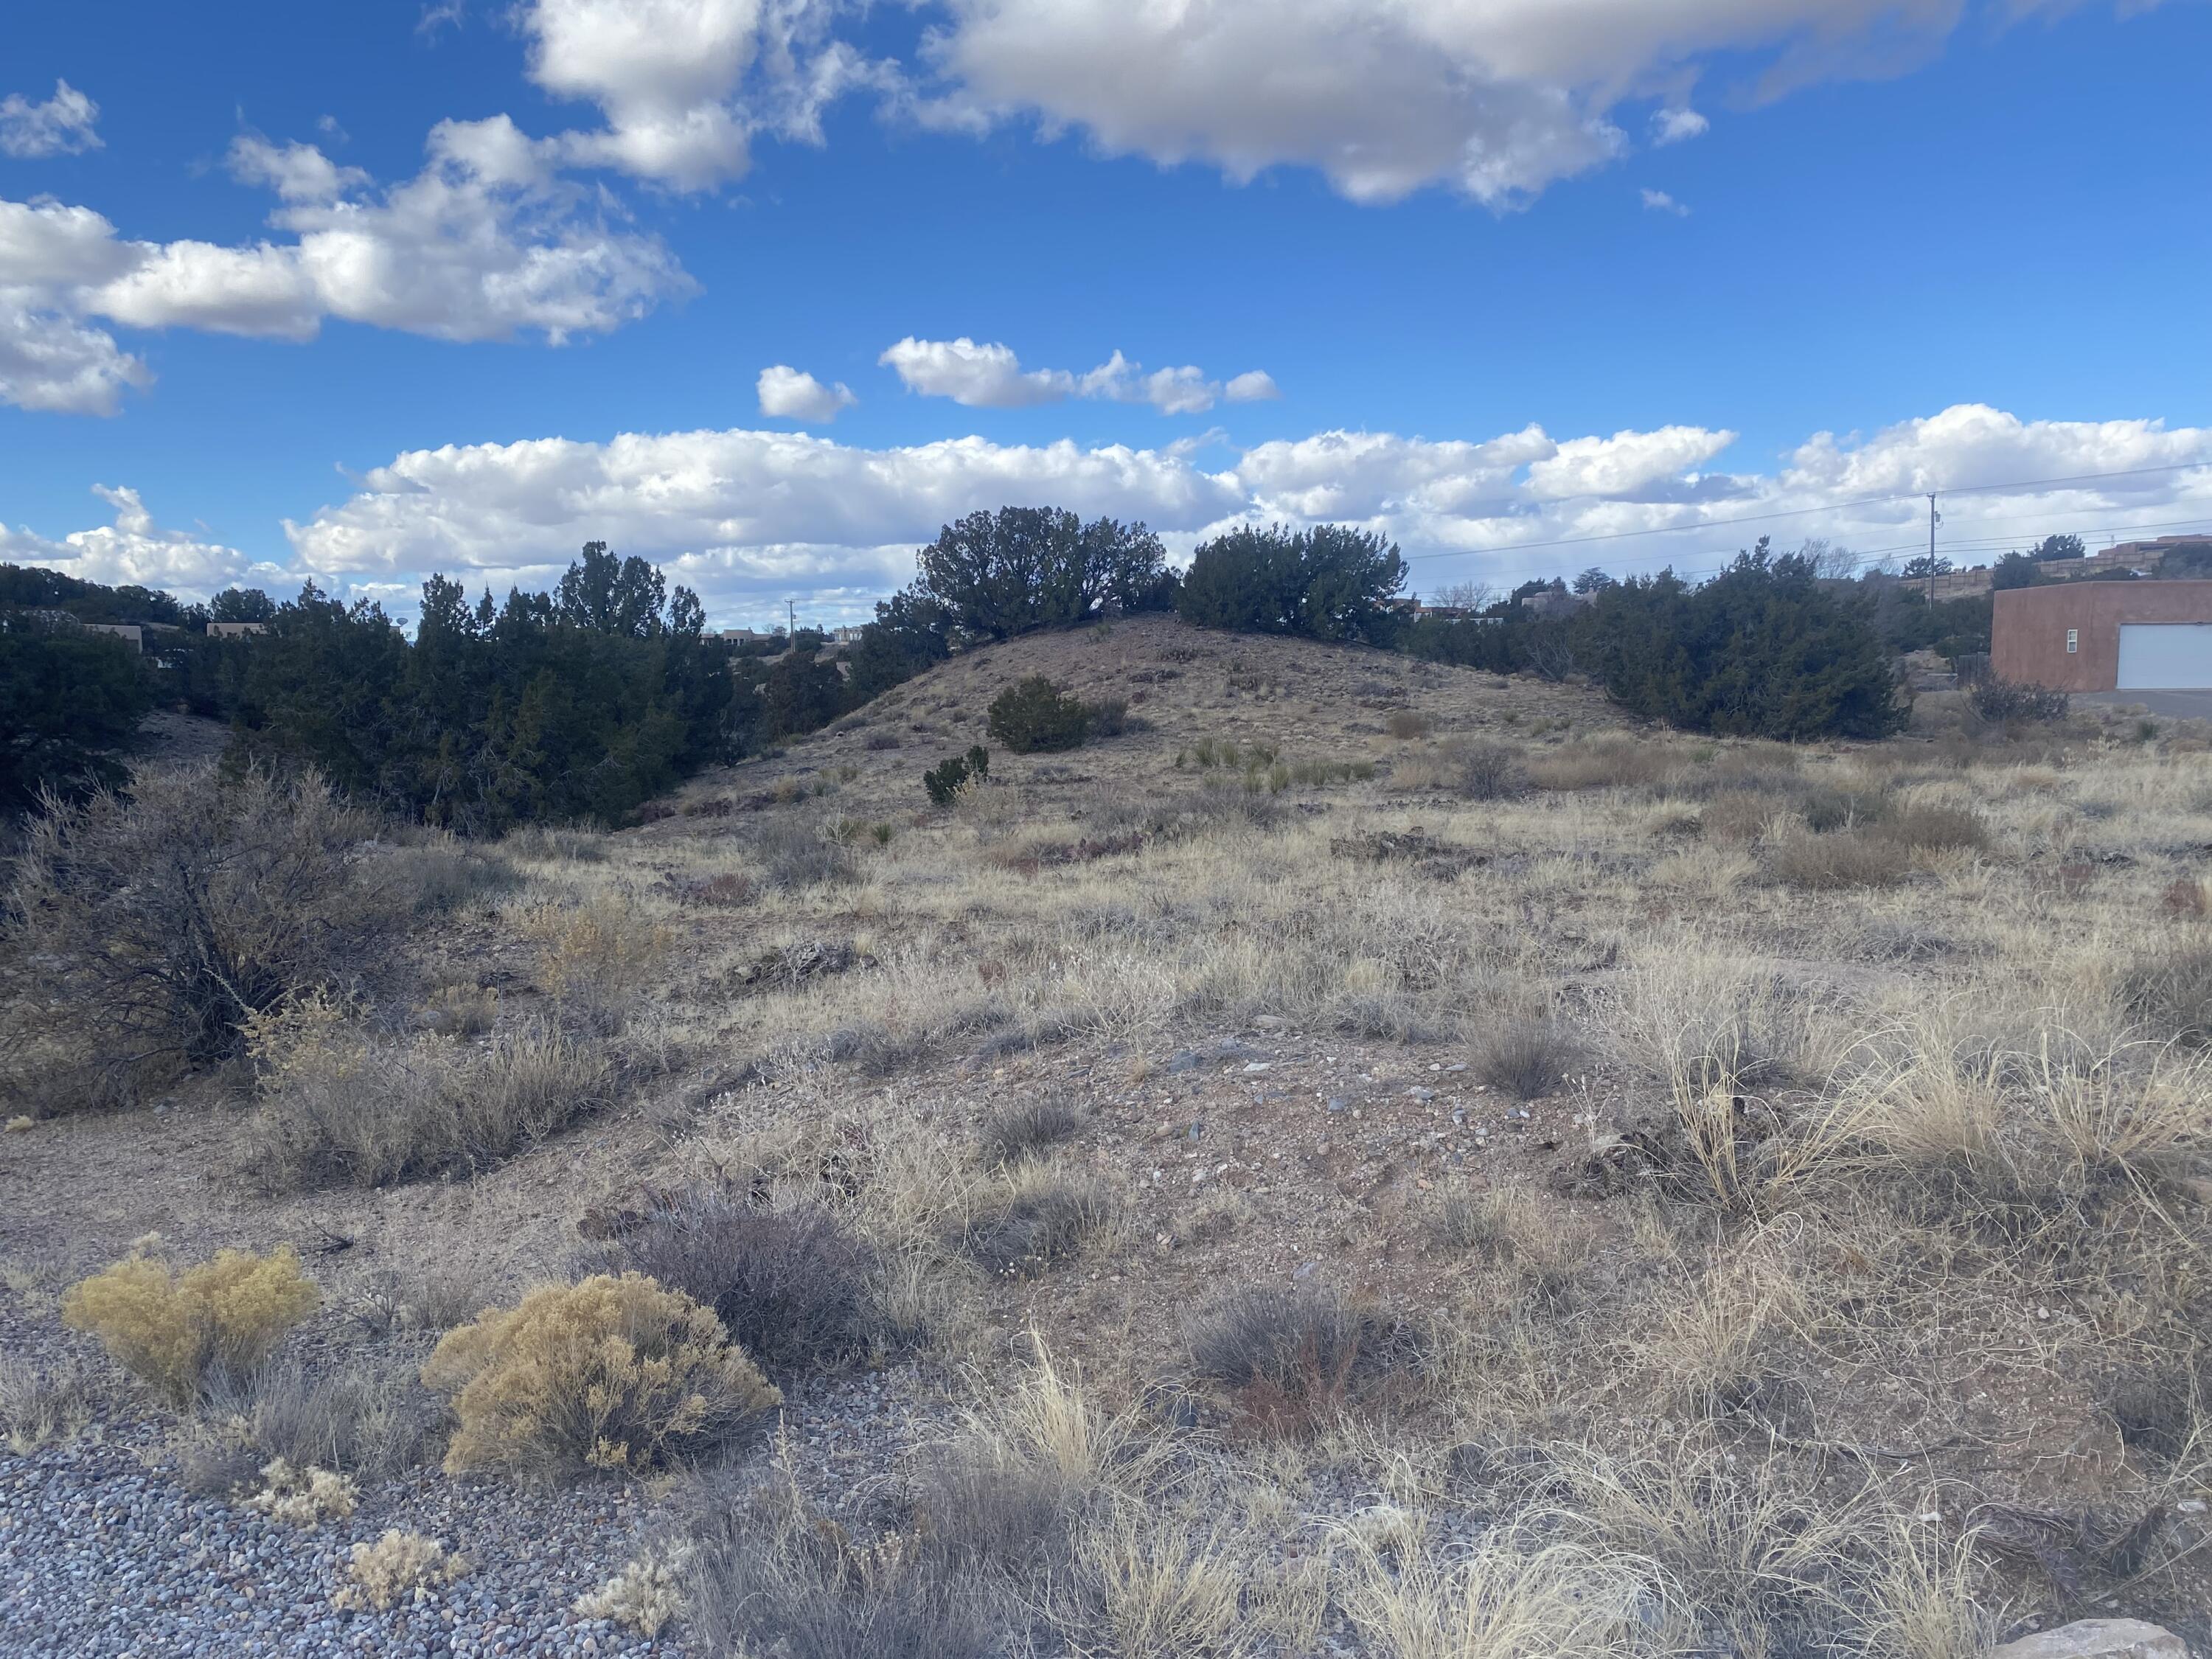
(2166, 656)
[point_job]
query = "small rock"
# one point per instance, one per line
(2098, 1639)
(1305, 1270)
(1338, 1103)
(1418, 1093)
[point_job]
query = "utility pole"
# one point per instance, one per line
(1934, 518)
(791, 606)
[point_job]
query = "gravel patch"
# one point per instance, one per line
(101, 1555)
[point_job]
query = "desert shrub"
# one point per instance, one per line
(2171, 995)
(646, 1595)
(380, 1574)
(793, 1288)
(341, 1104)
(798, 853)
(1526, 1058)
(1736, 816)
(162, 919)
(613, 1373)
(1028, 1127)
(1847, 858)
(1933, 830)
(1765, 649)
(43, 1403)
(1109, 717)
(595, 959)
(764, 1574)
(550, 843)
(2001, 702)
(1041, 1218)
(879, 741)
(1601, 764)
(1034, 717)
(946, 780)
(174, 1329)
(303, 1498)
(1290, 1357)
(366, 1416)
(1830, 810)
(1328, 583)
(440, 876)
(1406, 724)
(1487, 771)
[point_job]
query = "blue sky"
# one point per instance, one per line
(1514, 273)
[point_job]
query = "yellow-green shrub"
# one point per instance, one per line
(617, 1372)
(395, 1567)
(169, 1329)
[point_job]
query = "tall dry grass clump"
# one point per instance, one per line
(616, 1372)
(344, 1104)
(157, 923)
(595, 959)
(173, 1330)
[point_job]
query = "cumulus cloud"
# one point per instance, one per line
(991, 377)
(60, 127)
(748, 518)
(1658, 201)
(791, 394)
(686, 84)
(1253, 386)
(133, 548)
(486, 242)
(1492, 100)
(1672, 126)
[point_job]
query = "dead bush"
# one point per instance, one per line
(2171, 995)
(1487, 771)
(174, 1330)
(1038, 1219)
(764, 1574)
(613, 1373)
(160, 920)
(1405, 724)
(1932, 830)
(797, 852)
(1526, 1058)
(366, 1415)
(595, 960)
(1829, 809)
(393, 1569)
(343, 1104)
(558, 843)
(41, 1404)
(2003, 703)
(1847, 858)
(1609, 763)
(1290, 1358)
(440, 876)
(793, 1288)
(1027, 1127)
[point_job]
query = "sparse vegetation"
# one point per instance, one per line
(395, 1565)
(2002, 702)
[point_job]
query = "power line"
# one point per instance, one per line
(1805, 511)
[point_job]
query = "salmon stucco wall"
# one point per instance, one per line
(2028, 629)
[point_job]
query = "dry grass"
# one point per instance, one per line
(1882, 1133)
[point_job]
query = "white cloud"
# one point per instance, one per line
(977, 376)
(791, 394)
(748, 518)
(735, 513)
(134, 550)
(1253, 386)
(991, 377)
(1491, 98)
(1675, 125)
(1658, 201)
(684, 84)
(60, 127)
(487, 241)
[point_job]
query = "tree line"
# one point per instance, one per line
(587, 701)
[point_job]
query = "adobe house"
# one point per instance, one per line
(2105, 636)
